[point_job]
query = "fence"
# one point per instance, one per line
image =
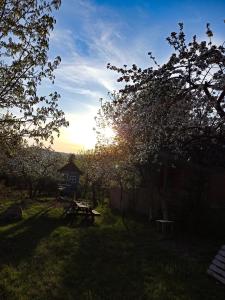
(193, 197)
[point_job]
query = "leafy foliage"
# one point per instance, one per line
(36, 165)
(176, 108)
(107, 165)
(24, 41)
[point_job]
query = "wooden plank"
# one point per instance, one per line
(220, 258)
(217, 267)
(217, 276)
(95, 212)
(218, 263)
(217, 270)
(80, 205)
(222, 252)
(164, 221)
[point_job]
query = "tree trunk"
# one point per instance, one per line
(30, 190)
(94, 200)
(163, 195)
(121, 197)
(85, 188)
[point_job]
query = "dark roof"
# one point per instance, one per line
(70, 167)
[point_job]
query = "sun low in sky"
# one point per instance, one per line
(91, 33)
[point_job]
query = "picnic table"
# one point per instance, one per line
(81, 209)
(165, 226)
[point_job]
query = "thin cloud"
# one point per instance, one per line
(97, 38)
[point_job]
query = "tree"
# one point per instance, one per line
(171, 112)
(177, 108)
(35, 164)
(95, 173)
(25, 27)
(104, 167)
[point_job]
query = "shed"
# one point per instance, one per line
(71, 173)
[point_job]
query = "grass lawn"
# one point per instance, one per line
(43, 258)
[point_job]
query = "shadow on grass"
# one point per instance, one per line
(113, 263)
(103, 267)
(19, 240)
(105, 261)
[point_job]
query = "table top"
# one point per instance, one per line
(164, 221)
(81, 205)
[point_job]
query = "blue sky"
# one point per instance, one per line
(91, 33)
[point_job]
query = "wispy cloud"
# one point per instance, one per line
(97, 41)
(88, 36)
(92, 36)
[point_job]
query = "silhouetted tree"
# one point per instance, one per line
(25, 27)
(177, 108)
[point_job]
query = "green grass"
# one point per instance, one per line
(43, 258)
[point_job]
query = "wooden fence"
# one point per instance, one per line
(191, 197)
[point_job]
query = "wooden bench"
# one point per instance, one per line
(217, 267)
(165, 226)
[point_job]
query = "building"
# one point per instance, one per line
(71, 176)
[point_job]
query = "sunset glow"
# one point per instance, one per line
(87, 41)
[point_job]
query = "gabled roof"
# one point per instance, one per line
(70, 167)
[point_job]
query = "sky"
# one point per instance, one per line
(91, 33)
